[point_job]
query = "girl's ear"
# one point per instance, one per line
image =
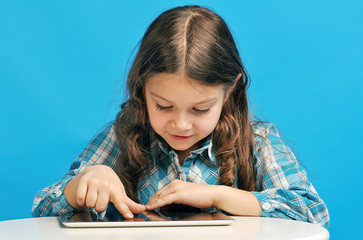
(230, 89)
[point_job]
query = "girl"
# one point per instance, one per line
(184, 136)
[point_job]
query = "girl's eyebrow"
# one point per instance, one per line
(201, 102)
(160, 97)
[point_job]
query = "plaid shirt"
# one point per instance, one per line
(283, 188)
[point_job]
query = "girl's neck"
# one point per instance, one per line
(182, 155)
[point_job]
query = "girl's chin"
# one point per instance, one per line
(184, 147)
(180, 148)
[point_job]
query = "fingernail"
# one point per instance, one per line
(129, 215)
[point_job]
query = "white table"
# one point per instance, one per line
(242, 228)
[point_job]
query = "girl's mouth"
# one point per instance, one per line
(179, 137)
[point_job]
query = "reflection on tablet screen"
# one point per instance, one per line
(162, 215)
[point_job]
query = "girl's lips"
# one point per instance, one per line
(180, 138)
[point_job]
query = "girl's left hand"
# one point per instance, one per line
(180, 192)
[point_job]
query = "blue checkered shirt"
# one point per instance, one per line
(283, 188)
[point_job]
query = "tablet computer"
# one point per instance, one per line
(146, 219)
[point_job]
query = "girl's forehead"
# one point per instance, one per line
(178, 82)
(174, 89)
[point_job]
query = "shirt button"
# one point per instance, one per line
(266, 206)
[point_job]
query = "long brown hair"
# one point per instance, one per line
(194, 41)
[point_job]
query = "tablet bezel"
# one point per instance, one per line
(218, 219)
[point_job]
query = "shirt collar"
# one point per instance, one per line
(157, 144)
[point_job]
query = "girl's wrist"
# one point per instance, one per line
(235, 201)
(218, 192)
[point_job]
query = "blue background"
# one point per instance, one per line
(62, 66)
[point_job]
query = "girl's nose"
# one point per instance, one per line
(182, 122)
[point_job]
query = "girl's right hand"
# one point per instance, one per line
(95, 187)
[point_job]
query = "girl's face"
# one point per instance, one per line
(182, 111)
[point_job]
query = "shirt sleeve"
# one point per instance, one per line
(103, 149)
(284, 190)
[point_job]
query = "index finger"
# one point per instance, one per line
(119, 200)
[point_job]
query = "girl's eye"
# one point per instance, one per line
(202, 111)
(196, 110)
(163, 108)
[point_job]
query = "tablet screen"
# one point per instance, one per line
(146, 219)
